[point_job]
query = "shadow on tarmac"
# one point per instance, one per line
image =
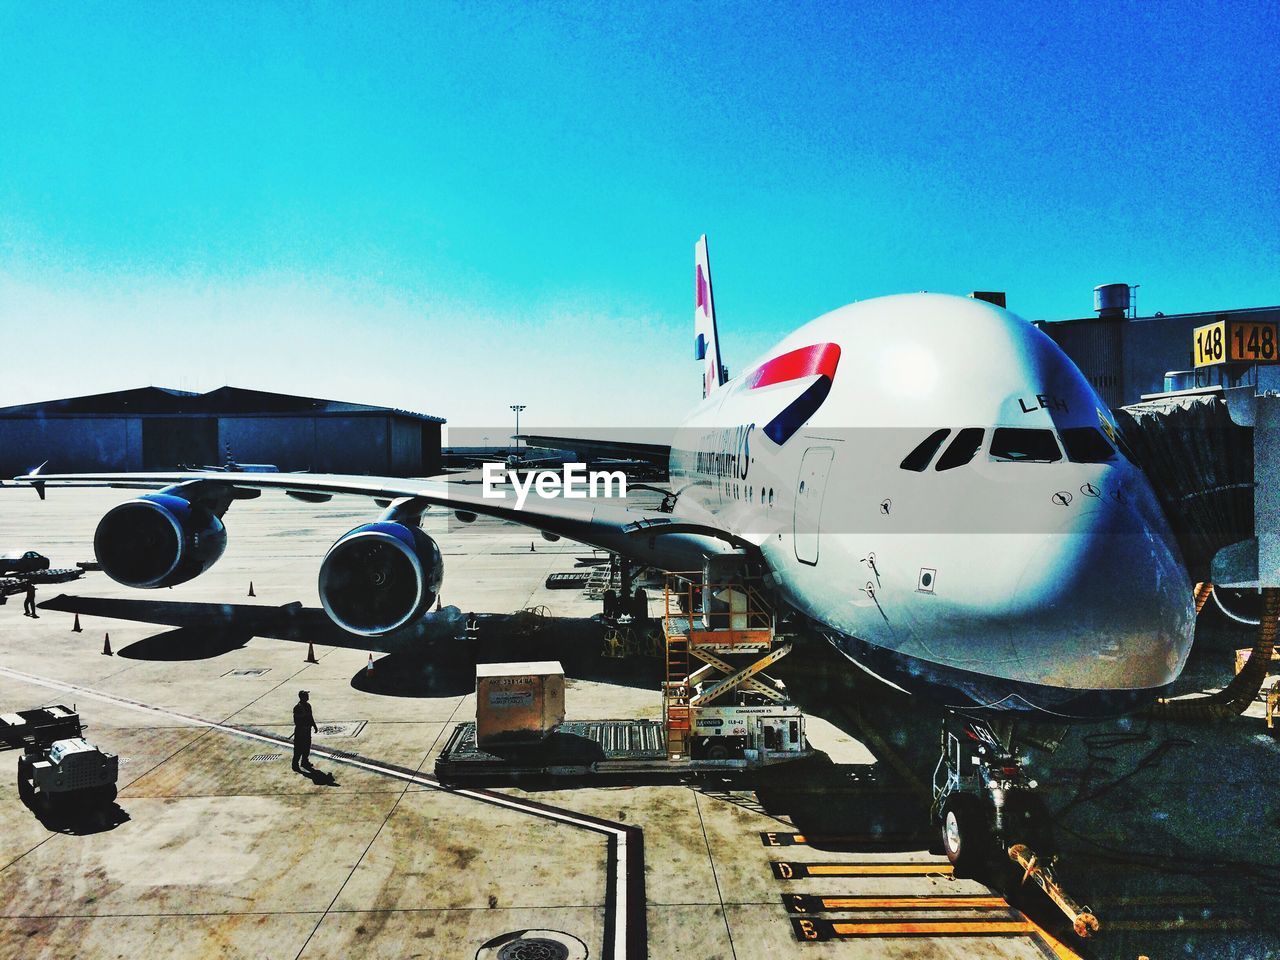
(77, 822)
(845, 807)
(185, 643)
(292, 621)
(447, 667)
(321, 778)
(415, 675)
(426, 659)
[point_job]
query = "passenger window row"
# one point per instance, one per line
(1011, 444)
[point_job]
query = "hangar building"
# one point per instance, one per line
(1126, 356)
(154, 428)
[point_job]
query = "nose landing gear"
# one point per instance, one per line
(988, 811)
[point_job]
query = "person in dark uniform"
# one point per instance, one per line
(303, 724)
(29, 605)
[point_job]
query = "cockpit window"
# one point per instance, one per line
(962, 448)
(1019, 443)
(1087, 445)
(918, 459)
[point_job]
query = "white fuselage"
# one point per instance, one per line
(1034, 576)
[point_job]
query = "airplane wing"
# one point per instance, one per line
(650, 536)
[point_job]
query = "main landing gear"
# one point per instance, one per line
(989, 812)
(624, 602)
(617, 605)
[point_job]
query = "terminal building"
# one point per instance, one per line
(154, 428)
(1126, 357)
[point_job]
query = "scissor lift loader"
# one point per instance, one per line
(718, 703)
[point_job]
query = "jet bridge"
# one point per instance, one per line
(1213, 457)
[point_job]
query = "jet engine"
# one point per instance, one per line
(158, 540)
(379, 577)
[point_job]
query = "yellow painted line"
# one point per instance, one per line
(913, 903)
(933, 928)
(1060, 949)
(773, 838)
(877, 870)
(941, 927)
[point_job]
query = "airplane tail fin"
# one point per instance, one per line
(706, 339)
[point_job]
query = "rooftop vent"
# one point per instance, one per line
(1111, 300)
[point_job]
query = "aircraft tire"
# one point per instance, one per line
(966, 836)
(26, 789)
(640, 605)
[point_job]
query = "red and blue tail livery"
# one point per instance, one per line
(820, 360)
(706, 341)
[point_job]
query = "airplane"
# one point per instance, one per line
(927, 480)
(229, 465)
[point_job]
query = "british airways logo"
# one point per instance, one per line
(820, 359)
(726, 454)
(702, 297)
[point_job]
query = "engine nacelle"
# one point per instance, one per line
(380, 577)
(158, 540)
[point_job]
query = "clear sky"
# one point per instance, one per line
(451, 208)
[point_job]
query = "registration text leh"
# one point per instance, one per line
(573, 482)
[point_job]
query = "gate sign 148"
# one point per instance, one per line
(1234, 341)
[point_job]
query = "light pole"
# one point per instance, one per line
(517, 407)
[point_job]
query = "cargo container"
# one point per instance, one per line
(518, 702)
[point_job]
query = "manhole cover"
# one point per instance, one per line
(533, 945)
(533, 948)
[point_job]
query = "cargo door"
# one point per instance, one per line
(810, 489)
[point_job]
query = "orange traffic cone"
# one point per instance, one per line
(311, 653)
(251, 593)
(76, 626)
(369, 668)
(437, 603)
(106, 646)
(531, 550)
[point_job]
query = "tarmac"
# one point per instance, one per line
(216, 848)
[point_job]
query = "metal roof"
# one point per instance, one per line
(163, 401)
(1211, 314)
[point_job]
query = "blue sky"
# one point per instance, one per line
(454, 207)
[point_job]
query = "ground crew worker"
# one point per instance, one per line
(29, 605)
(303, 724)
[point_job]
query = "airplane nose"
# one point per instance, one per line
(1116, 607)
